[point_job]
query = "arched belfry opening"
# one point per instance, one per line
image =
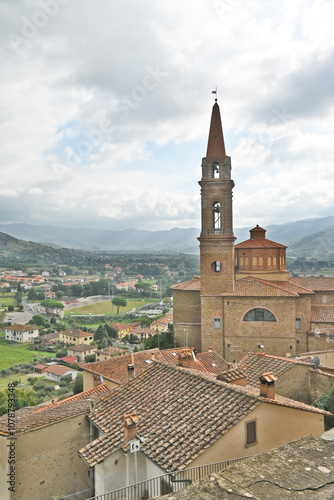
(216, 216)
(215, 170)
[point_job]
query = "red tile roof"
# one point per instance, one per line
(116, 369)
(255, 364)
(76, 333)
(22, 328)
(259, 243)
(58, 369)
(37, 416)
(322, 314)
(316, 283)
(255, 287)
(182, 414)
(193, 285)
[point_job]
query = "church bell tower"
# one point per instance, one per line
(217, 238)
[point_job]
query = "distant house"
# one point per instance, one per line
(21, 333)
(47, 339)
(76, 337)
(121, 329)
(109, 352)
(56, 372)
(40, 368)
(80, 351)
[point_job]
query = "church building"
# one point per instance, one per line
(244, 299)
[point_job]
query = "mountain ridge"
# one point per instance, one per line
(311, 236)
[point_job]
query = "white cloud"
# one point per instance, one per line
(107, 108)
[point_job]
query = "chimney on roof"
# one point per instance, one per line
(260, 355)
(185, 357)
(267, 385)
(130, 426)
(209, 348)
(131, 371)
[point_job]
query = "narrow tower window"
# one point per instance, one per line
(216, 266)
(216, 215)
(215, 171)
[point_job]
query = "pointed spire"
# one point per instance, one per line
(216, 145)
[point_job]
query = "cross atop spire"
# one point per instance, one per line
(216, 145)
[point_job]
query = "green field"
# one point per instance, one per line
(13, 354)
(106, 308)
(7, 300)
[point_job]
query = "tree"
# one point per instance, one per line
(100, 334)
(76, 290)
(10, 308)
(104, 342)
(145, 321)
(37, 320)
(119, 302)
(52, 304)
(32, 294)
(78, 384)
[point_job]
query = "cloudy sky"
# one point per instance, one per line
(105, 109)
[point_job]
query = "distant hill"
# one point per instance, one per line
(310, 237)
(15, 250)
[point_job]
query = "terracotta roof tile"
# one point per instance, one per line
(22, 328)
(316, 283)
(194, 285)
(232, 374)
(76, 333)
(255, 287)
(322, 314)
(58, 369)
(255, 364)
(116, 369)
(192, 409)
(259, 243)
(36, 416)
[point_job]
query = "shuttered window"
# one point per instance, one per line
(251, 432)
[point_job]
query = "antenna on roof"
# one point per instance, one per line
(215, 92)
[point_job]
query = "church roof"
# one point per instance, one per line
(194, 284)
(259, 243)
(216, 145)
(316, 283)
(251, 286)
(322, 314)
(255, 287)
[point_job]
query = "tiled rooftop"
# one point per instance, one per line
(58, 369)
(322, 314)
(76, 333)
(22, 328)
(189, 407)
(192, 410)
(37, 416)
(255, 287)
(316, 283)
(255, 364)
(116, 369)
(259, 243)
(231, 375)
(194, 285)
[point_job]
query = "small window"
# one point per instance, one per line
(216, 266)
(259, 314)
(324, 299)
(251, 433)
(217, 322)
(298, 324)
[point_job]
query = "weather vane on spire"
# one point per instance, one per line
(215, 92)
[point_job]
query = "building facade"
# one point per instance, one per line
(244, 299)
